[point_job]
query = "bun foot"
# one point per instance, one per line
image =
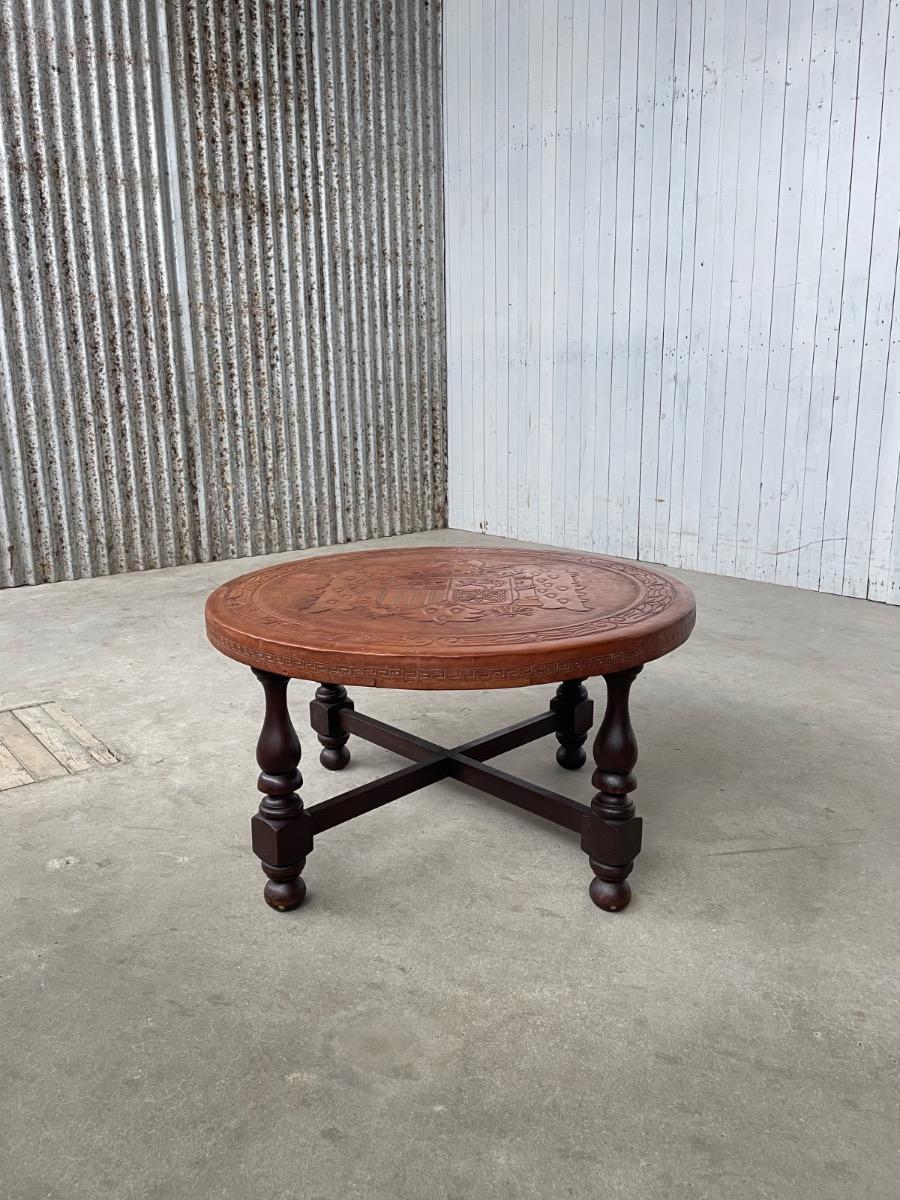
(611, 897)
(285, 894)
(334, 758)
(571, 757)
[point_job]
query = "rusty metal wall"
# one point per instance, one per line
(221, 291)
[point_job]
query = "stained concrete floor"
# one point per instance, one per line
(449, 1017)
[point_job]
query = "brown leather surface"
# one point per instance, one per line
(443, 618)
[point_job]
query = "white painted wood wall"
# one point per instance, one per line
(672, 239)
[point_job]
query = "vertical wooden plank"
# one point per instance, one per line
(528, 498)
(547, 301)
(830, 297)
(657, 273)
(450, 260)
(874, 212)
(706, 248)
(607, 267)
(893, 589)
(884, 569)
(566, 276)
(620, 318)
(518, 265)
(673, 286)
(473, 273)
(785, 287)
(454, 111)
(567, 464)
(594, 38)
(741, 292)
(884, 555)
(765, 234)
(502, 233)
(480, 156)
(852, 413)
(729, 153)
(695, 85)
(809, 264)
(893, 582)
(645, 114)
(488, 219)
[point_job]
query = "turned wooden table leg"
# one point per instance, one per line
(282, 836)
(324, 714)
(611, 834)
(576, 715)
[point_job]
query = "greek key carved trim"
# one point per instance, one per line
(301, 666)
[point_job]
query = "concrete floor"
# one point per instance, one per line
(449, 1017)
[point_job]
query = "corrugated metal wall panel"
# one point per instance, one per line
(221, 313)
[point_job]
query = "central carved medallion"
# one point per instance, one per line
(442, 595)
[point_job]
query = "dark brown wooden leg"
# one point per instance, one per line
(611, 833)
(576, 715)
(282, 832)
(323, 716)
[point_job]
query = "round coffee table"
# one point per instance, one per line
(448, 618)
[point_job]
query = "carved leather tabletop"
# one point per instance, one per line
(450, 617)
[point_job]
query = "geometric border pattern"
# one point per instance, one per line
(299, 665)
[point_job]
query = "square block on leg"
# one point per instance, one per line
(582, 717)
(281, 843)
(615, 843)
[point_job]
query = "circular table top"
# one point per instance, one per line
(444, 618)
